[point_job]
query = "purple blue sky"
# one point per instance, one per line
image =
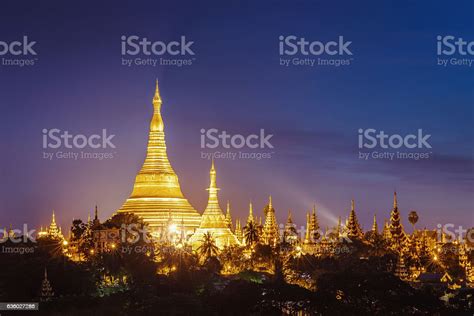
(236, 84)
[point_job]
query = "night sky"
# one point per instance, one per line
(236, 84)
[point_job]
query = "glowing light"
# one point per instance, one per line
(113, 245)
(91, 251)
(65, 243)
(173, 228)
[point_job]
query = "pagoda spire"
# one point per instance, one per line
(46, 290)
(228, 216)
(96, 221)
(313, 226)
(386, 231)
(290, 234)
(53, 229)
(213, 219)
(289, 220)
(397, 233)
(338, 228)
(250, 217)
(213, 189)
(308, 234)
(374, 225)
(353, 227)
(157, 97)
(271, 235)
(238, 230)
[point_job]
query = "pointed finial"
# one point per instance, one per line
(352, 205)
(96, 217)
(54, 218)
(45, 273)
(289, 220)
(374, 225)
(270, 204)
(250, 218)
(395, 203)
(228, 206)
(213, 185)
(157, 97)
(314, 208)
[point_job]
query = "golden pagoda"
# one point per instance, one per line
(53, 230)
(156, 192)
(213, 220)
(312, 227)
(397, 233)
(271, 235)
(353, 228)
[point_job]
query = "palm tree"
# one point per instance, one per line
(251, 233)
(208, 246)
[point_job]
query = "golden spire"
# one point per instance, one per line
(395, 203)
(54, 230)
(250, 217)
(289, 220)
(374, 225)
(228, 216)
(213, 219)
(353, 227)
(307, 235)
(157, 121)
(338, 228)
(270, 228)
(157, 98)
(213, 187)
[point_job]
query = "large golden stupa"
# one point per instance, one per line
(156, 195)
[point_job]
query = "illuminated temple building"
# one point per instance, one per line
(53, 231)
(156, 195)
(157, 199)
(213, 219)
